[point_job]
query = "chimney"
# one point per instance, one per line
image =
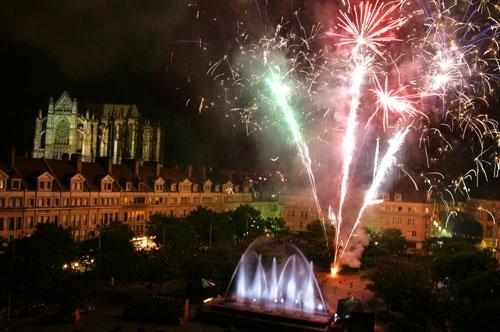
(137, 167)
(76, 161)
(13, 158)
(158, 169)
(190, 171)
(109, 163)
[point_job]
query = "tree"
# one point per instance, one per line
(247, 223)
(314, 244)
(117, 255)
(159, 225)
(39, 267)
(475, 304)
(405, 286)
(391, 242)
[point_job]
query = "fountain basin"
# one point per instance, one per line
(251, 316)
(273, 286)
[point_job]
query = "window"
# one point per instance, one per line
(385, 197)
(2, 184)
(2, 226)
(398, 197)
(30, 223)
(173, 187)
(128, 186)
(173, 200)
(11, 223)
(184, 200)
(413, 234)
(159, 187)
(16, 184)
(195, 188)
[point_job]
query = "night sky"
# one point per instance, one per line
(143, 52)
(151, 53)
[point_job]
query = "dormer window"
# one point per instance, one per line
(3, 180)
(228, 187)
(107, 184)
(77, 182)
(217, 188)
(158, 185)
(76, 186)
(207, 186)
(45, 182)
(45, 185)
(16, 184)
(195, 187)
(398, 197)
(128, 186)
(173, 187)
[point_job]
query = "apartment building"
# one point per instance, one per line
(83, 196)
(408, 212)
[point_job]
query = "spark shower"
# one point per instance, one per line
(396, 74)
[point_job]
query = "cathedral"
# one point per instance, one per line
(96, 130)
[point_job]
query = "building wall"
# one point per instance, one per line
(412, 218)
(298, 211)
(268, 209)
(85, 212)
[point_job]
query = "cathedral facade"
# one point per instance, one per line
(99, 130)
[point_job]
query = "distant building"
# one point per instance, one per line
(84, 196)
(408, 212)
(484, 206)
(298, 211)
(102, 130)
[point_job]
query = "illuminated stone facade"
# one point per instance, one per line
(99, 130)
(411, 215)
(83, 196)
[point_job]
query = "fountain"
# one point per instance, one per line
(273, 285)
